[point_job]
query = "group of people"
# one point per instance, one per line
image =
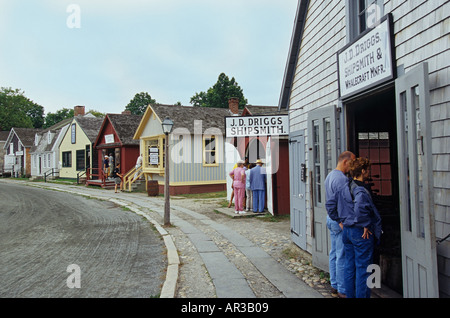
(355, 226)
(114, 172)
(249, 187)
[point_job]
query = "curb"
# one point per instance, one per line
(170, 285)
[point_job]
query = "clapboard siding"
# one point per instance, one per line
(315, 81)
(422, 34)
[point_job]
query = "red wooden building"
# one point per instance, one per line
(116, 138)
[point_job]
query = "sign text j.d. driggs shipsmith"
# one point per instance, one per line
(254, 126)
(367, 61)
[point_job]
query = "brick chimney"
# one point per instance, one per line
(126, 112)
(78, 111)
(233, 104)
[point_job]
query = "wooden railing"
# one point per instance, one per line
(52, 172)
(131, 176)
(93, 174)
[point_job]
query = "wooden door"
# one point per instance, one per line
(419, 258)
(322, 144)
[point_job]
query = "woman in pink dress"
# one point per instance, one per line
(238, 176)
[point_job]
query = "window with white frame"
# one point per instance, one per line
(210, 151)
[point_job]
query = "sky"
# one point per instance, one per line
(100, 53)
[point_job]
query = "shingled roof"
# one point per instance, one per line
(90, 126)
(25, 135)
(265, 110)
(125, 126)
(184, 116)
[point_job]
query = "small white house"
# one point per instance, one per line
(45, 150)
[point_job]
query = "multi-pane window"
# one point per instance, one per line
(316, 153)
(67, 159)
(363, 14)
(155, 152)
(209, 150)
(376, 147)
(81, 161)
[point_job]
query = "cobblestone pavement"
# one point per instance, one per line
(271, 234)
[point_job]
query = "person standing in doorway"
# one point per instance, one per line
(362, 224)
(258, 185)
(117, 178)
(238, 176)
(138, 165)
(111, 164)
(106, 167)
(335, 180)
(248, 189)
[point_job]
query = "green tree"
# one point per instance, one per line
(220, 93)
(96, 113)
(16, 110)
(54, 118)
(138, 105)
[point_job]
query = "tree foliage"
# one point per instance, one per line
(54, 118)
(16, 110)
(219, 94)
(138, 105)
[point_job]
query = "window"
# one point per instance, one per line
(73, 133)
(11, 148)
(361, 15)
(376, 147)
(154, 155)
(210, 151)
(80, 160)
(316, 155)
(67, 159)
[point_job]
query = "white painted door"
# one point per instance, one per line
(298, 188)
(268, 168)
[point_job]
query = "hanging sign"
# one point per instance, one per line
(368, 61)
(153, 154)
(254, 126)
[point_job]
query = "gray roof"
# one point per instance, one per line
(90, 125)
(43, 145)
(184, 116)
(4, 135)
(265, 110)
(26, 135)
(125, 126)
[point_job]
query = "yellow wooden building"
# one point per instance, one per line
(76, 147)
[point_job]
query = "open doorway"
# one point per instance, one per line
(372, 133)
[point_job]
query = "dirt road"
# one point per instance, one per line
(116, 253)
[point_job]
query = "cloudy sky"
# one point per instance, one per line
(100, 53)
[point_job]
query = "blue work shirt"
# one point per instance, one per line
(356, 208)
(257, 178)
(335, 180)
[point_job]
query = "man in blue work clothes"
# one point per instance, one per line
(258, 186)
(335, 180)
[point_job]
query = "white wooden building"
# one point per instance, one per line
(45, 160)
(372, 77)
